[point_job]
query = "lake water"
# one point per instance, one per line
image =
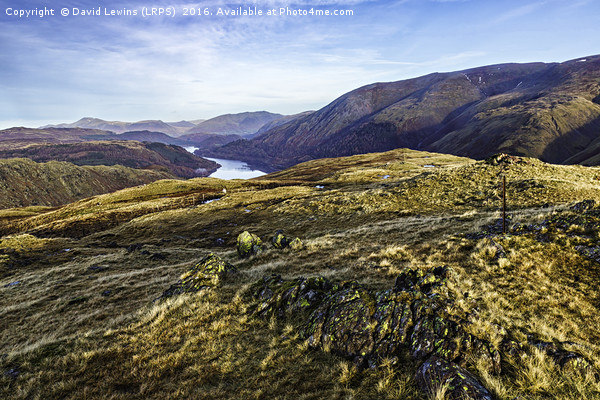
(234, 169)
(231, 169)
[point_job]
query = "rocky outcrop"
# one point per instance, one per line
(506, 159)
(415, 318)
(584, 205)
(413, 314)
(208, 273)
(287, 298)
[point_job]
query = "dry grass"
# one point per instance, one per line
(81, 323)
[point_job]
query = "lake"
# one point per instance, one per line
(231, 169)
(234, 169)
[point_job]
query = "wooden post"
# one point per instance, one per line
(503, 204)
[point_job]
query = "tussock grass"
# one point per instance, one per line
(81, 323)
(230, 356)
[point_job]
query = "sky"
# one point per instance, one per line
(173, 67)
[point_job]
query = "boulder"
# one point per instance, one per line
(248, 244)
(279, 241)
(296, 244)
(207, 273)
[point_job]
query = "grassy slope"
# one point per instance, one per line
(80, 322)
(27, 183)
(157, 156)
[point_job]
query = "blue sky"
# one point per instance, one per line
(129, 68)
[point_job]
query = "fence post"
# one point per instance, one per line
(503, 204)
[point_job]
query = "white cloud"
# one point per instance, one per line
(195, 68)
(519, 12)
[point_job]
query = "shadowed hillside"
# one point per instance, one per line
(26, 183)
(157, 156)
(547, 111)
(401, 280)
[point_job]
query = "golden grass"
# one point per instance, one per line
(81, 322)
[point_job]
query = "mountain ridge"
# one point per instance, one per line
(242, 124)
(541, 110)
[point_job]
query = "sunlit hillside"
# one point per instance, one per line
(88, 310)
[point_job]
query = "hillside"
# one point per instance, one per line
(546, 111)
(17, 138)
(26, 183)
(278, 122)
(402, 281)
(207, 140)
(157, 156)
(241, 124)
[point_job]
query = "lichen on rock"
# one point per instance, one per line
(207, 273)
(248, 244)
(280, 241)
(275, 296)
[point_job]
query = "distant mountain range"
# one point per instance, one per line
(548, 111)
(120, 127)
(242, 124)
